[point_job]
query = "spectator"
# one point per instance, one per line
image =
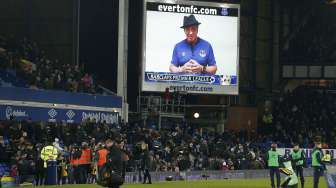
(87, 82)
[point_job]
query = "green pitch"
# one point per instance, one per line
(258, 183)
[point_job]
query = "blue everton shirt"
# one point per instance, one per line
(201, 52)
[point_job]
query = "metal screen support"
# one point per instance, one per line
(122, 56)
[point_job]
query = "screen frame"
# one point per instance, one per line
(224, 90)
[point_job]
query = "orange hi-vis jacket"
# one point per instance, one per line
(102, 154)
(74, 161)
(85, 157)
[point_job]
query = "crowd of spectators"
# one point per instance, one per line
(177, 149)
(300, 115)
(297, 117)
(27, 61)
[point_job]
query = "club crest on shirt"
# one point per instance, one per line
(183, 54)
(202, 53)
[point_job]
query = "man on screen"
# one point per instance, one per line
(193, 55)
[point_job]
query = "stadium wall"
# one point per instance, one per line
(56, 106)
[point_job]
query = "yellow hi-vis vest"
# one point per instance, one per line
(49, 153)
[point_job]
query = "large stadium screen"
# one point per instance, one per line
(191, 47)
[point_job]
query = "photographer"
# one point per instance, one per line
(112, 174)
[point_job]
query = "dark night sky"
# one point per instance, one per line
(99, 42)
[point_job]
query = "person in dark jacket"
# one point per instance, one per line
(40, 173)
(115, 161)
(145, 163)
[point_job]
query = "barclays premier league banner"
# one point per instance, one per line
(191, 47)
(56, 114)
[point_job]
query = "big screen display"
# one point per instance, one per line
(191, 47)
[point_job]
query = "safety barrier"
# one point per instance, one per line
(137, 177)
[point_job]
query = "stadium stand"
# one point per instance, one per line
(177, 148)
(24, 64)
(295, 114)
(313, 44)
(169, 152)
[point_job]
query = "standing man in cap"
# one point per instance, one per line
(272, 158)
(317, 163)
(193, 54)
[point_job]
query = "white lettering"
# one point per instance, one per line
(164, 8)
(108, 118)
(187, 9)
(18, 113)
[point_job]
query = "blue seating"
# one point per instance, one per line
(8, 78)
(4, 169)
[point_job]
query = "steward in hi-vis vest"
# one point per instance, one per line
(317, 163)
(272, 158)
(298, 159)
